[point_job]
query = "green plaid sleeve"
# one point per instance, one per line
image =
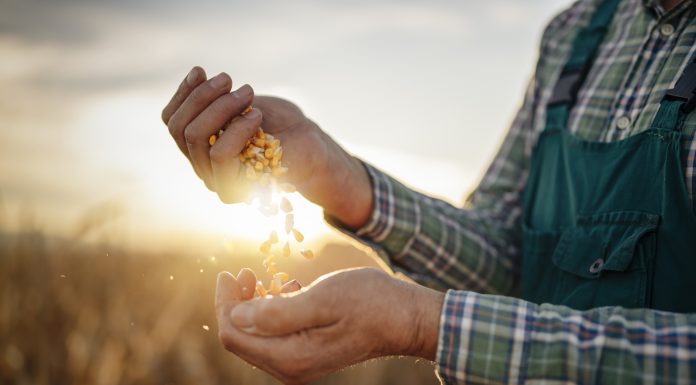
(474, 247)
(488, 339)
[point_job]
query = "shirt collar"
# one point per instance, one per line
(656, 7)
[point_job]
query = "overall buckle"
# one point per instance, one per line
(685, 89)
(566, 88)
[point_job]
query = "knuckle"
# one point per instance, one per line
(173, 128)
(218, 155)
(191, 136)
(165, 115)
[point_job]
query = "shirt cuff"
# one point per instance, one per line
(394, 220)
(483, 339)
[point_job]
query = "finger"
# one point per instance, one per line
(291, 286)
(224, 160)
(247, 283)
(195, 77)
(200, 98)
(227, 294)
(279, 316)
(210, 121)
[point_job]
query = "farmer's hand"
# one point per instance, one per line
(341, 319)
(320, 169)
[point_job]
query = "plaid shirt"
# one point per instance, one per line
(490, 338)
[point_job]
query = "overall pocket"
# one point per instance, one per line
(606, 260)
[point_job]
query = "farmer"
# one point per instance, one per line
(574, 261)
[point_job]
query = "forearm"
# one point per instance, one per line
(435, 243)
(494, 339)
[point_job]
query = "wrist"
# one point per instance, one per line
(425, 323)
(416, 325)
(347, 187)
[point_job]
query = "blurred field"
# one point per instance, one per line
(76, 312)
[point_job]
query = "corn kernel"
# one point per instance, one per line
(247, 110)
(275, 286)
(260, 289)
(298, 235)
(265, 248)
(285, 205)
(212, 139)
(268, 153)
(273, 237)
(258, 166)
(307, 253)
(289, 223)
(283, 277)
(260, 142)
(286, 250)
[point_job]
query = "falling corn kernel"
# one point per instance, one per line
(307, 253)
(273, 237)
(260, 289)
(265, 247)
(206, 327)
(289, 223)
(268, 261)
(286, 250)
(276, 285)
(171, 277)
(201, 270)
(298, 235)
(212, 139)
(283, 277)
(285, 205)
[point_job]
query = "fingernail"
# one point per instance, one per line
(243, 91)
(241, 315)
(253, 114)
(219, 81)
(191, 77)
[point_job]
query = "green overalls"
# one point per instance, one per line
(609, 224)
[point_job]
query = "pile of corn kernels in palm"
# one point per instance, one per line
(262, 160)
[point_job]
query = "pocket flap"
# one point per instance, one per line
(603, 242)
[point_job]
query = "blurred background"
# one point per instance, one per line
(109, 245)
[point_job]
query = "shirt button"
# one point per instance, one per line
(666, 30)
(623, 122)
(596, 266)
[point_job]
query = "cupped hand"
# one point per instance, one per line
(341, 319)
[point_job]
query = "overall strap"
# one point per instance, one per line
(678, 101)
(584, 50)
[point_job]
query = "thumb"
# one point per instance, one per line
(278, 316)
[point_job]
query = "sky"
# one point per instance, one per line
(423, 90)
